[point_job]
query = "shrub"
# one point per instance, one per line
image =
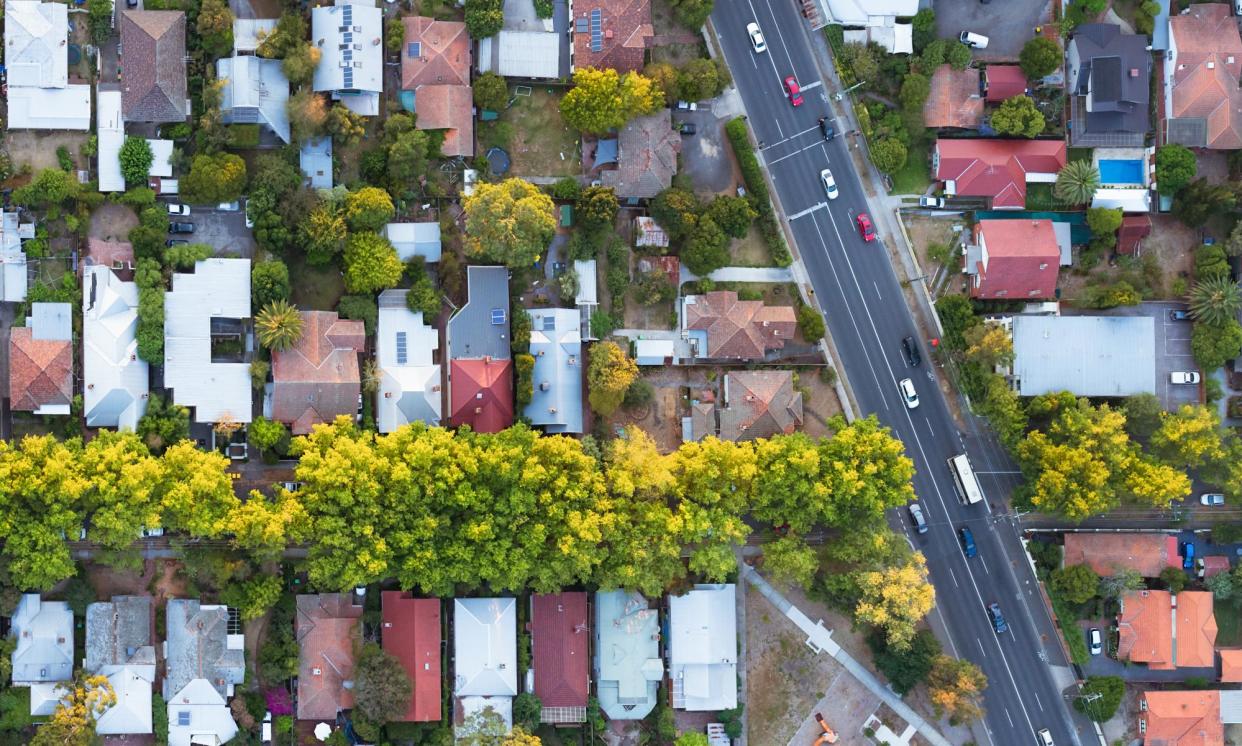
(360, 308)
(1040, 57)
(758, 190)
(811, 324)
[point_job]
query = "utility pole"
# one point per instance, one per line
(841, 94)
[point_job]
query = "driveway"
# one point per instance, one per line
(225, 231)
(1007, 25)
(705, 155)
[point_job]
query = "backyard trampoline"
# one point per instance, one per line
(498, 160)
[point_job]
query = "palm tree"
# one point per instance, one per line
(279, 325)
(1077, 182)
(1215, 300)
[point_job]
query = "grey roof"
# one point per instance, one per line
(1160, 29)
(415, 239)
(556, 344)
(1113, 70)
(197, 646)
(315, 159)
(118, 632)
(51, 321)
(256, 91)
(1086, 355)
(1188, 131)
(647, 149)
(44, 632)
(472, 332)
(154, 63)
(1231, 706)
(628, 669)
(246, 32)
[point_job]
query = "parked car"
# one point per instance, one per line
(998, 621)
(1095, 641)
(908, 393)
(687, 128)
(1045, 738)
(233, 206)
(935, 202)
(176, 210)
(249, 220)
(176, 227)
(1212, 499)
(1179, 315)
(968, 542)
(865, 228)
(176, 242)
(1188, 376)
(826, 127)
(971, 39)
(291, 486)
(756, 38)
(913, 356)
(830, 184)
(1188, 555)
(687, 106)
(793, 90)
(1200, 568)
(916, 517)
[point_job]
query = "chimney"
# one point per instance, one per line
(1134, 73)
(1211, 65)
(387, 394)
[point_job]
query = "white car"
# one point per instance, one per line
(1212, 499)
(908, 393)
(756, 38)
(830, 184)
(178, 210)
(229, 206)
(971, 39)
(1045, 738)
(1095, 641)
(1189, 376)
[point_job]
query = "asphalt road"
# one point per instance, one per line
(856, 286)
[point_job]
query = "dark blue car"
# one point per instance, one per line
(1188, 555)
(968, 541)
(998, 621)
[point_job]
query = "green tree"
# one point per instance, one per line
(371, 264)
(269, 281)
(692, 13)
(484, 18)
(265, 433)
(136, 159)
(789, 560)
(604, 99)
(733, 214)
(699, 79)
(905, 669)
(299, 66)
(511, 222)
(253, 596)
(1104, 221)
(677, 211)
(50, 187)
(220, 177)
(346, 127)
(423, 297)
(99, 17)
(1213, 345)
(692, 738)
(1100, 697)
(163, 424)
(597, 207)
(185, 256)
(1124, 580)
(933, 56)
(924, 23)
(1175, 167)
(1018, 116)
(889, 155)
(368, 209)
(958, 55)
(491, 92)
(1040, 56)
(215, 28)
(1215, 300)
(73, 721)
(707, 249)
(1173, 578)
(811, 324)
(1190, 437)
(1077, 584)
(914, 90)
(610, 373)
(278, 326)
(1211, 262)
(955, 687)
(323, 233)
(1076, 182)
(666, 79)
(1143, 413)
(1199, 200)
(1221, 586)
(956, 316)
(382, 690)
(527, 710)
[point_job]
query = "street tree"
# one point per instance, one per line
(40, 507)
(866, 472)
(511, 222)
(790, 561)
(895, 599)
(956, 687)
(1190, 437)
(278, 325)
(122, 479)
(1077, 584)
(196, 495)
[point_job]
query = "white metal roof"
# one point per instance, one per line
(132, 712)
(256, 91)
(1085, 355)
(628, 669)
(1129, 200)
(35, 35)
(485, 647)
(111, 132)
(115, 379)
(44, 632)
(415, 239)
(588, 286)
(247, 32)
(409, 390)
(161, 158)
(521, 54)
(653, 351)
(703, 647)
(67, 108)
(868, 12)
(360, 65)
(556, 344)
(197, 712)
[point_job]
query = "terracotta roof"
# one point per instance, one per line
(739, 329)
(318, 378)
(762, 403)
(449, 108)
(1182, 719)
(40, 370)
(327, 628)
(559, 634)
(439, 75)
(153, 66)
(1022, 259)
(996, 168)
(104, 253)
(1134, 228)
(1206, 73)
(1149, 553)
(954, 100)
(1149, 635)
(481, 393)
(1196, 630)
(648, 148)
(1230, 665)
(1214, 564)
(411, 632)
(1004, 81)
(625, 29)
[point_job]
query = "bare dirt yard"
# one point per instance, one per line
(112, 222)
(750, 251)
(819, 402)
(925, 232)
(38, 150)
(1167, 257)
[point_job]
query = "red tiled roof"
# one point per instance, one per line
(762, 403)
(954, 100)
(1147, 633)
(318, 379)
(154, 87)
(1182, 719)
(327, 627)
(449, 108)
(1022, 259)
(1106, 553)
(481, 393)
(440, 79)
(40, 370)
(1214, 564)
(559, 634)
(626, 28)
(1208, 68)
(1196, 630)
(996, 168)
(1134, 228)
(1230, 665)
(1004, 81)
(411, 632)
(739, 329)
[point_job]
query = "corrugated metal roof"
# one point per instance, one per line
(1087, 355)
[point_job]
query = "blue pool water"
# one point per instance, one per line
(1121, 172)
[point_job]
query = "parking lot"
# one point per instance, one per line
(705, 154)
(1008, 25)
(223, 230)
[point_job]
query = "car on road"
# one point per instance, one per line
(913, 357)
(1187, 376)
(830, 184)
(916, 517)
(826, 127)
(1212, 499)
(971, 39)
(908, 394)
(1188, 555)
(177, 227)
(998, 621)
(176, 210)
(935, 202)
(1095, 641)
(1045, 738)
(176, 242)
(968, 542)
(1179, 315)
(291, 486)
(687, 128)
(756, 38)
(865, 228)
(793, 90)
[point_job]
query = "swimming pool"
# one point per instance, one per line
(1121, 172)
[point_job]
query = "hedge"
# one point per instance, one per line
(752, 174)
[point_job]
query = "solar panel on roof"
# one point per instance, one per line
(348, 37)
(348, 14)
(400, 348)
(415, 49)
(348, 54)
(580, 25)
(597, 35)
(349, 77)
(498, 316)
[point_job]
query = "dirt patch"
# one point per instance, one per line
(750, 251)
(1167, 256)
(112, 222)
(924, 232)
(819, 402)
(661, 419)
(38, 150)
(658, 316)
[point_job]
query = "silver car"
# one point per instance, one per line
(830, 184)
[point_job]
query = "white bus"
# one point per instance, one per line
(964, 477)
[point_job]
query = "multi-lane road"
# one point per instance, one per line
(855, 285)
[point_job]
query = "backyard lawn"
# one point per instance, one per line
(1039, 197)
(915, 176)
(1226, 624)
(538, 141)
(315, 288)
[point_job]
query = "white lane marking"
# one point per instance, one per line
(998, 472)
(1038, 701)
(930, 430)
(1011, 725)
(794, 136)
(784, 47)
(799, 151)
(954, 576)
(986, 571)
(809, 86)
(984, 653)
(809, 210)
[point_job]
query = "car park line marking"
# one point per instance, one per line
(809, 210)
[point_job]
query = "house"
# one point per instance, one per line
(759, 404)
(329, 629)
(110, 136)
(725, 328)
(1109, 86)
(531, 55)
(435, 69)
(1002, 82)
(1188, 718)
(556, 345)
(205, 305)
(1108, 552)
(480, 371)
(559, 634)
(996, 169)
(1104, 356)
(1013, 260)
(481, 394)
(409, 369)
(13, 278)
(44, 653)
(654, 351)
(318, 379)
(648, 233)
(115, 255)
(315, 160)
(204, 658)
(868, 21)
(954, 100)
(611, 34)
(1134, 228)
(41, 360)
(154, 85)
(647, 149)
(485, 657)
(1202, 99)
(628, 669)
(1167, 630)
(702, 648)
(350, 38)
(249, 33)
(411, 633)
(36, 61)
(415, 239)
(114, 379)
(1230, 665)
(256, 91)
(118, 646)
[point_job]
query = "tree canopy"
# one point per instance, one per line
(1175, 167)
(136, 159)
(511, 222)
(1018, 116)
(603, 99)
(1039, 57)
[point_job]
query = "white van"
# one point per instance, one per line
(971, 39)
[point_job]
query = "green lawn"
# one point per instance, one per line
(915, 176)
(1039, 197)
(538, 141)
(315, 288)
(1080, 154)
(1227, 627)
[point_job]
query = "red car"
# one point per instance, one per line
(795, 92)
(864, 227)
